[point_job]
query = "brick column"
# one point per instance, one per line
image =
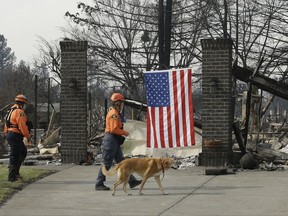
(217, 116)
(73, 101)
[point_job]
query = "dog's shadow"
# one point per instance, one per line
(171, 191)
(184, 191)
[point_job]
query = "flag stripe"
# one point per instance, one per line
(191, 111)
(154, 123)
(172, 115)
(183, 107)
(175, 104)
(165, 129)
(148, 127)
(181, 96)
(170, 140)
(161, 128)
(157, 127)
(187, 103)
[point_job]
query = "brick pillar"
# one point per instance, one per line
(217, 112)
(73, 101)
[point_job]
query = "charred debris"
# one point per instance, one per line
(259, 141)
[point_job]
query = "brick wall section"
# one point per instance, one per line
(73, 101)
(217, 116)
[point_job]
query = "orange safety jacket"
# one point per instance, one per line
(18, 121)
(113, 122)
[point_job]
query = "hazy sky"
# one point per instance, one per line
(22, 21)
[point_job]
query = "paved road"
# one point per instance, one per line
(71, 192)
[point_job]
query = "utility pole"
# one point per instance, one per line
(161, 35)
(164, 32)
(168, 19)
(225, 22)
(35, 112)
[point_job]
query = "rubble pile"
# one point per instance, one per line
(188, 162)
(270, 154)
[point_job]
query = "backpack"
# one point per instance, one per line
(8, 117)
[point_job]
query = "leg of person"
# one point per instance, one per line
(12, 173)
(101, 178)
(13, 157)
(133, 182)
(22, 156)
(107, 161)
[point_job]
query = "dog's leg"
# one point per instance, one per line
(142, 185)
(119, 181)
(157, 178)
(125, 186)
(148, 173)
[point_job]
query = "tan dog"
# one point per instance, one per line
(145, 167)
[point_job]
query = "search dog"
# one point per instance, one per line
(144, 167)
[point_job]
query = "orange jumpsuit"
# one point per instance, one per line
(15, 133)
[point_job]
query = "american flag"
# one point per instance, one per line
(170, 121)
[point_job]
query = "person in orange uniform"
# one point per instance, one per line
(113, 138)
(16, 129)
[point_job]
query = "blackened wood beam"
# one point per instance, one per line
(272, 86)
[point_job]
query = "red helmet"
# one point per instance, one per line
(21, 98)
(117, 97)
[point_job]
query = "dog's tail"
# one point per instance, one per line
(110, 172)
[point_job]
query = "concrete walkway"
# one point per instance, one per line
(70, 192)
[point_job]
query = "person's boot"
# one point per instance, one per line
(12, 173)
(135, 183)
(101, 187)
